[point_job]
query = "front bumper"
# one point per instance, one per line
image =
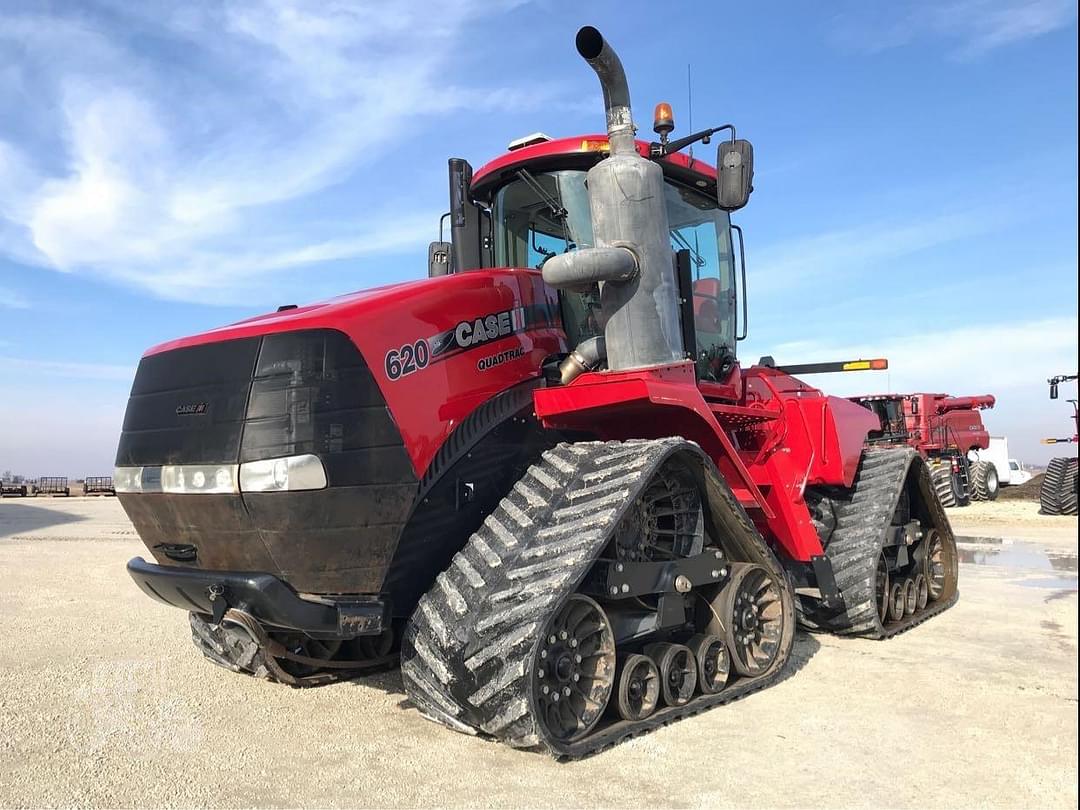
(272, 602)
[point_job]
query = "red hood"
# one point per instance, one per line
(308, 316)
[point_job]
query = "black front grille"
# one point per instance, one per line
(187, 406)
(278, 395)
(313, 393)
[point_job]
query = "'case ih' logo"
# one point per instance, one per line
(192, 409)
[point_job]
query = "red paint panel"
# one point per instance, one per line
(429, 396)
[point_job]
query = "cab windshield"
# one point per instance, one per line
(538, 216)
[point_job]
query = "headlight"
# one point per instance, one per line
(128, 479)
(283, 474)
(200, 479)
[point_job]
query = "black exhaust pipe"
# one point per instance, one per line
(603, 59)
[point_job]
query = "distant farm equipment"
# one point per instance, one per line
(1058, 494)
(99, 485)
(52, 485)
(11, 489)
(949, 433)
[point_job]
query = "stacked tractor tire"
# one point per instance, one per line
(1057, 496)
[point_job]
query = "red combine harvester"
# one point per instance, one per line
(948, 432)
(542, 474)
(1058, 493)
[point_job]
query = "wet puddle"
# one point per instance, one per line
(1021, 557)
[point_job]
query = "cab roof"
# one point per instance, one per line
(583, 151)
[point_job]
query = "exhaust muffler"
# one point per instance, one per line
(632, 260)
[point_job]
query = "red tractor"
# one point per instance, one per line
(948, 432)
(542, 475)
(1058, 493)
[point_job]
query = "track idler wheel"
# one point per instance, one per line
(753, 617)
(638, 688)
(678, 671)
(922, 593)
(575, 669)
(911, 597)
(713, 664)
(939, 565)
(896, 602)
(881, 587)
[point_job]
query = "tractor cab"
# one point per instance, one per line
(531, 204)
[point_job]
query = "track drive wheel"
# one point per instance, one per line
(575, 669)
(638, 690)
(754, 618)
(678, 671)
(713, 663)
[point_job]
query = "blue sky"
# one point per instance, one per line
(168, 168)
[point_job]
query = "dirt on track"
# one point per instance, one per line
(105, 703)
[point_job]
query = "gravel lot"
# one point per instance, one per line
(104, 702)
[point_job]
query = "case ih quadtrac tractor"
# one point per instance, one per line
(1059, 490)
(544, 476)
(948, 432)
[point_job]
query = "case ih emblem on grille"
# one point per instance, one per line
(192, 409)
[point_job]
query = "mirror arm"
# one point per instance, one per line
(659, 150)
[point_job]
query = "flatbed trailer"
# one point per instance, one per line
(53, 485)
(99, 485)
(10, 489)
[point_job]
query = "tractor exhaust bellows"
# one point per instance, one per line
(632, 257)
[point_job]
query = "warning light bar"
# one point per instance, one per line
(877, 364)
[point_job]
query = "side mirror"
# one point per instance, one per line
(1053, 390)
(914, 407)
(734, 174)
(438, 259)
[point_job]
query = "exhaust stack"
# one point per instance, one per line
(632, 259)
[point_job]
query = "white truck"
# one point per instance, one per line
(1010, 472)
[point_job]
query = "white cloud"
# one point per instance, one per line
(187, 174)
(812, 259)
(18, 369)
(10, 299)
(973, 26)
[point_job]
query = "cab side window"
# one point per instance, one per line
(697, 226)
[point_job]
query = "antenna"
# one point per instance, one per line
(690, 105)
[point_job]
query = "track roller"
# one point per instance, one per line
(922, 593)
(911, 597)
(713, 663)
(896, 602)
(678, 671)
(637, 688)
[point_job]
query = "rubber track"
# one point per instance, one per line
(1057, 496)
(862, 518)
(234, 651)
(467, 655)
